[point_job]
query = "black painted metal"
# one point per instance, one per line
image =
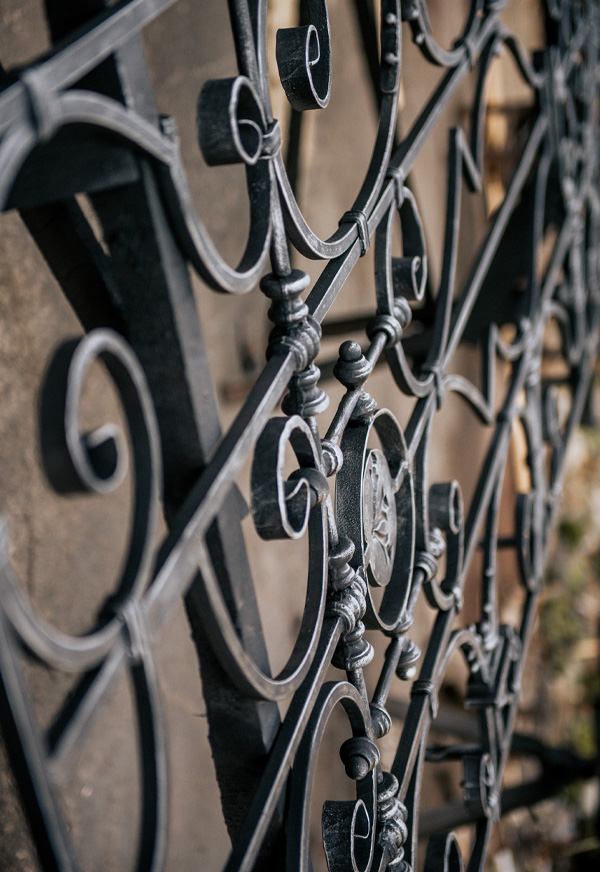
(387, 525)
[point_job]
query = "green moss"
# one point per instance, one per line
(571, 531)
(561, 628)
(583, 737)
(592, 436)
(576, 575)
(571, 793)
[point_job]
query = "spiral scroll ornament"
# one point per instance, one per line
(359, 482)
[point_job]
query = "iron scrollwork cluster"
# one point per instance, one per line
(378, 538)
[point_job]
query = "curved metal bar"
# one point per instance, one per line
(349, 828)
(153, 753)
(376, 549)
(69, 63)
(219, 626)
(92, 463)
(39, 799)
(84, 107)
(299, 232)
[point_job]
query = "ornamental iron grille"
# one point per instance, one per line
(382, 535)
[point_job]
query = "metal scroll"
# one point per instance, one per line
(382, 535)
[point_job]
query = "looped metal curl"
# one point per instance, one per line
(443, 854)
(232, 126)
(281, 509)
(304, 60)
(97, 461)
(445, 515)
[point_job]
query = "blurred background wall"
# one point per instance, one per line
(68, 551)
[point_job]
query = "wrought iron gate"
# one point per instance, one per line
(382, 534)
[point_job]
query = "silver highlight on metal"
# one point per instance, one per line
(382, 534)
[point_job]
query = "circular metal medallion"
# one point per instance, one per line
(379, 518)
